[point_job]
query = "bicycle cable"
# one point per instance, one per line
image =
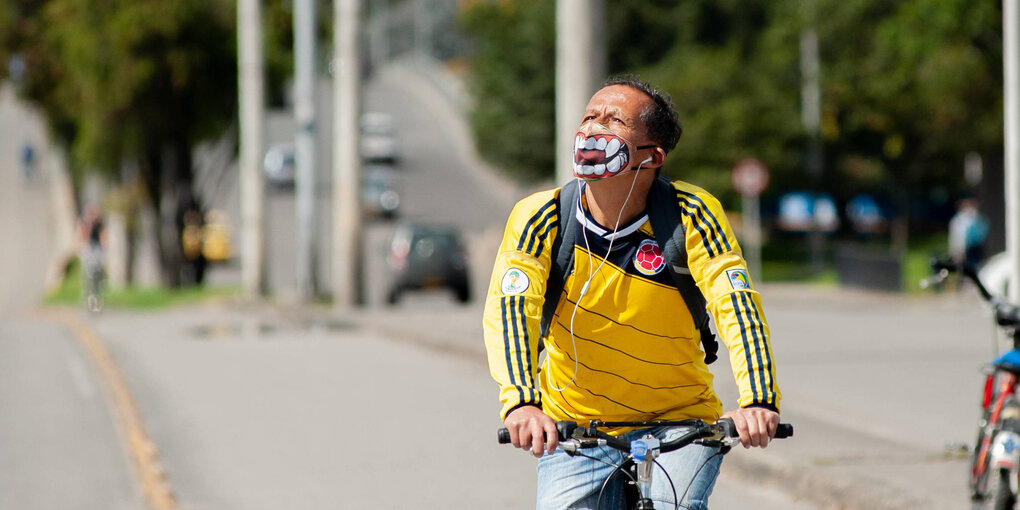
(695, 477)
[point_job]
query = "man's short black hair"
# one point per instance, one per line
(661, 119)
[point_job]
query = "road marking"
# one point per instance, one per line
(143, 452)
(80, 378)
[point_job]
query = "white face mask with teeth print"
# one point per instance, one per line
(599, 153)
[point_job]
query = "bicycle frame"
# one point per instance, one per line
(1000, 456)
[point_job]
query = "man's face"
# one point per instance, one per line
(610, 132)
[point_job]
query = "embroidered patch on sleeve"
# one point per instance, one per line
(738, 278)
(514, 281)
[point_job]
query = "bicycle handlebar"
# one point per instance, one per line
(1005, 314)
(724, 428)
(944, 266)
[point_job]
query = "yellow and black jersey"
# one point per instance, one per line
(627, 349)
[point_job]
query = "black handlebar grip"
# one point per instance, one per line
(565, 429)
(729, 429)
(783, 431)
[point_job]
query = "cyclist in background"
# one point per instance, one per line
(92, 237)
(622, 345)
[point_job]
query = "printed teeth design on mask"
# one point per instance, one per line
(598, 155)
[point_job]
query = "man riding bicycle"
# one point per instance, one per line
(620, 343)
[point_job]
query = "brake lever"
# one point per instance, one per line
(935, 279)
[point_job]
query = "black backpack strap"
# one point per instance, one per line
(670, 235)
(562, 253)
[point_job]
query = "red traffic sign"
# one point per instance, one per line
(750, 177)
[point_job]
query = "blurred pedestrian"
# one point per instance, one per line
(968, 231)
(27, 160)
(92, 238)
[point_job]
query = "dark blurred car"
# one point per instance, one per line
(379, 196)
(426, 257)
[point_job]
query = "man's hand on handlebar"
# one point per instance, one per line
(531, 429)
(756, 425)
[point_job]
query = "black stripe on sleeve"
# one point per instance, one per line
(533, 226)
(747, 347)
(506, 345)
(525, 366)
(753, 325)
(770, 394)
(700, 211)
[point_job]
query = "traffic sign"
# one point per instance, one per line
(750, 177)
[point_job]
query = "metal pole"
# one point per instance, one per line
(1010, 62)
(811, 117)
(251, 92)
(580, 67)
(305, 147)
(346, 161)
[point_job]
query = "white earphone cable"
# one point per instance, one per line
(591, 273)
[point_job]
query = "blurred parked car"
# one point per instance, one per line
(378, 144)
(427, 257)
(379, 196)
(278, 164)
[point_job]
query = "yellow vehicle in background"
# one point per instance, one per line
(206, 237)
(216, 245)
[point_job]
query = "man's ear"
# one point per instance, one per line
(658, 157)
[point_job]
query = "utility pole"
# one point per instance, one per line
(1011, 72)
(580, 68)
(251, 93)
(346, 160)
(306, 169)
(811, 117)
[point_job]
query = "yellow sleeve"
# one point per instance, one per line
(718, 267)
(513, 303)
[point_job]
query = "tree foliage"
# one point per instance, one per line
(908, 88)
(513, 82)
(137, 83)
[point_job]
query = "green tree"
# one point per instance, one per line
(908, 88)
(513, 82)
(138, 82)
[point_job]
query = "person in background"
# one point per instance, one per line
(968, 231)
(27, 160)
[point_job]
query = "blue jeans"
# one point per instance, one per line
(573, 483)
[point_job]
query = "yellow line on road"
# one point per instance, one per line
(143, 452)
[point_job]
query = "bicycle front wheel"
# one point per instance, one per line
(1000, 495)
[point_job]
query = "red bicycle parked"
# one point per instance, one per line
(995, 460)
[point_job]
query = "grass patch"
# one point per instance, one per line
(916, 264)
(133, 297)
(789, 260)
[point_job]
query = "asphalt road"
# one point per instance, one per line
(59, 444)
(255, 406)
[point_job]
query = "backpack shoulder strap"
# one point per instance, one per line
(562, 252)
(671, 236)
